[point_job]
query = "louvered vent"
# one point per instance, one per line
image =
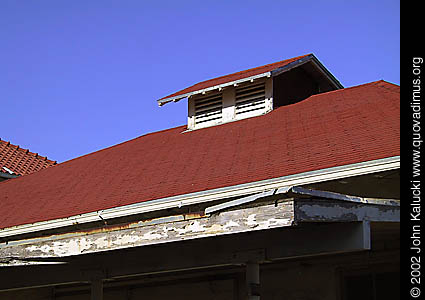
(250, 99)
(208, 109)
(236, 101)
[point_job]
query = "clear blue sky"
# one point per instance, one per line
(78, 76)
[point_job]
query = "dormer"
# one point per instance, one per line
(254, 92)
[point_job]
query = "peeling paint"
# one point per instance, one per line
(235, 221)
(195, 227)
(231, 224)
(275, 222)
(152, 236)
(251, 221)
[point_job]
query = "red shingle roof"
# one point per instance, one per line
(21, 161)
(336, 128)
(235, 76)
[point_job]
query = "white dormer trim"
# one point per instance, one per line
(245, 99)
(215, 87)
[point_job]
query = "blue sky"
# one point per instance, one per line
(78, 76)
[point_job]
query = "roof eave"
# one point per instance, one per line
(219, 86)
(344, 171)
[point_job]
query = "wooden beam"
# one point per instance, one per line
(319, 239)
(96, 289)
(343, 211)
(253, 280)
(223, 223)
(175, 228)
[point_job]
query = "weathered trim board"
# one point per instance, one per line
(181, 228)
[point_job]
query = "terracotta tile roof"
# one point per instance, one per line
(21, 161)
(235, 76)
(331, 129)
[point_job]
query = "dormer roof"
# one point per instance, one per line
(268, 70)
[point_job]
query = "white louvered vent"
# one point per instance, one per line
(208, 109)
(231, 103)
(250, 99)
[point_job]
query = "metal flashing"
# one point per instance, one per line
(297, 191)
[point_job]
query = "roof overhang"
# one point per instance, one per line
(316, 176)
(215, 87)
(274, 72)
(285, 208)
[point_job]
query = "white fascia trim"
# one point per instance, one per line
(327, 174)
(220, 86)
